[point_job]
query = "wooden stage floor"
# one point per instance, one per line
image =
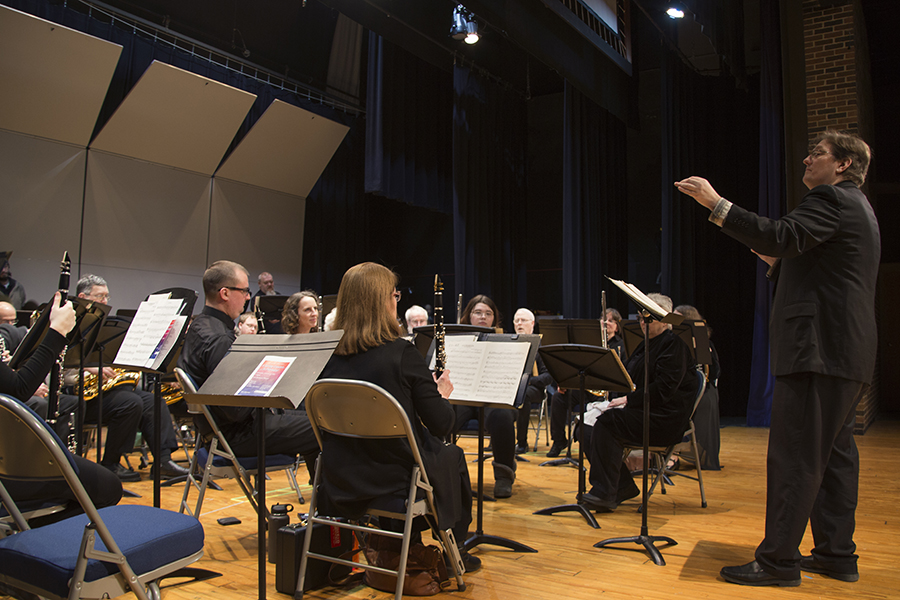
(567, 565)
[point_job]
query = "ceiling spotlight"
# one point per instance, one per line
(464, 26)
(472, 32)
(675, 11)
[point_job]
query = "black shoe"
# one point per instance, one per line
(598, 504)
(811, 565)
(556, 448)
(471, 563)
(752, 574)
(521, 449)
(503, 488)
(170, 468)
(123, 474)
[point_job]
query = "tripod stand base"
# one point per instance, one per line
(585, 512)
(646, 541)
(480, 538)
(560, 461)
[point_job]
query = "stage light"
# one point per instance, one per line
(675, 11)
(464, 26)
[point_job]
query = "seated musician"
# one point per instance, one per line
(564, 400)
(101, 485)
(301, 313)
(499, 422)
(247, 324)
(125, 407)
(523, 322)
(673, 388)
(371, 349)
(415, 316)
(208, 340)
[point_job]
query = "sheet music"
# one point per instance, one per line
(266, 376)
(655, 309)
(150, 332)
(485, 371)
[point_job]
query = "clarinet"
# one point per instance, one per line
(260, 323)
(440, 352)
(56, 374)
(320, 322)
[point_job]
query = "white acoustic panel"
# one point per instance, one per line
(175, 118)
(260, 229)
(286, 150)
(146, 223)
(54, 79)
(42, 186)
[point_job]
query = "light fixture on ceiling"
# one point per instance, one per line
(464, 27)
(675, 10)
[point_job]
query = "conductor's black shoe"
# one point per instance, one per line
(811, 565)
(555, 449)
(520, 449)
(753, 574)
(170, 468)
(599, 504)
(122, 473)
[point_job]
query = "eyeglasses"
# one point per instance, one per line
(816, 153)
(482, 313)
(397, 295)
(99, 297)
(246, 290)
(517, 321)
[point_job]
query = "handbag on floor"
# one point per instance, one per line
(426, 573)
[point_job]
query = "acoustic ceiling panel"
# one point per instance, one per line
(54, 78)
(175, 118)
(286, 150)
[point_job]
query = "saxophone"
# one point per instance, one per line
(440, 352)
(122, 377)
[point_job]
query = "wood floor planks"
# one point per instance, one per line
(568, 566)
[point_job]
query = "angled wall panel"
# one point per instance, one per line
(286, 150)
(145, 227)
(42, 186)
(175, 118)
(54, 79)
(261, 229)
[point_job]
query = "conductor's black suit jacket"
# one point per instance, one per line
(823, 315)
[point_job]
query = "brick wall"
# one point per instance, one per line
(831, 71)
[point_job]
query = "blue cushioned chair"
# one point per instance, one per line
(224, 462)
(100, 554)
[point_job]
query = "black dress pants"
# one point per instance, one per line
(500, 425)
(533, 395)
(813, 474)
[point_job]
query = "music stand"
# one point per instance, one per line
(649, 311)
(310, 353)
(632, 336)
(270, 307)
(583, 365)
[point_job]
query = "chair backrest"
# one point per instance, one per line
(701, 389)
(358, 409)
(189, 387)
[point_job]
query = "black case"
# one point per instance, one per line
(326, 539)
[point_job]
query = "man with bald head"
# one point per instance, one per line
(226, 287)
(523, 322)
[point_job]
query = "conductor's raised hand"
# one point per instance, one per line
(62, 318)
(700, 190)
(445, 388)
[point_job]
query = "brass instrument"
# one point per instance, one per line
(459, 308)
(440, 352)
(122, 377)
(171, 392)
(320, 322)
(604, 340)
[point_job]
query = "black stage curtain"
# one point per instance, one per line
(594, 205)
(710, 128)
(489, 207)
(772, 192)
(408, 128)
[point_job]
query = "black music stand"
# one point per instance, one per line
(310, 352)
(583, 365)
(270, 307)
(588, 332)
(648, 312)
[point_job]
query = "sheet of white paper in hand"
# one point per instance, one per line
(595, 409)
(485, 371)
(265, 376)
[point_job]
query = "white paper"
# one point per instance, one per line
(153, 331)
(595, 409)
(485, 371)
